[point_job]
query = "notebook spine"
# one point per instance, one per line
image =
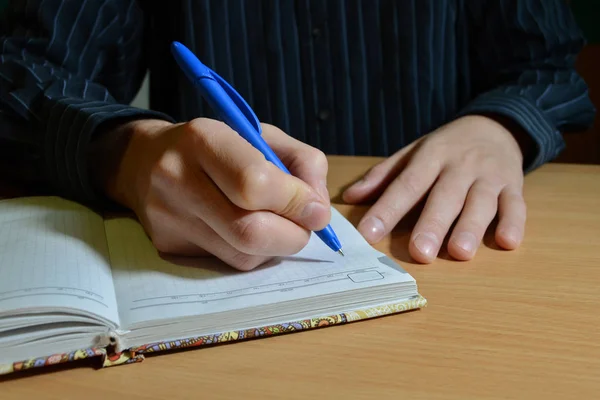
(112, 341)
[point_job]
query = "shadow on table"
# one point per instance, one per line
(89, 363)
(400, 235)
(489, 239)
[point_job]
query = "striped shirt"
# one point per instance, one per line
(357, 77)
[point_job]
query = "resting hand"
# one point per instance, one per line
(199, 188)
(468, 170)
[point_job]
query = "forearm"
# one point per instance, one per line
(59, 92)
(524, 71)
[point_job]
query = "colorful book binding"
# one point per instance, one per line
(136, 354)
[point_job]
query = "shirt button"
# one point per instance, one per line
(324, 115)
(316, 32)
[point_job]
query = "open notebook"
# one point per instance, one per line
(73, 286)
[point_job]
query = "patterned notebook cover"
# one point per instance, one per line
(136, 354)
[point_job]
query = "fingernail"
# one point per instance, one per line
(427, 244)
(466, 241)
(511, 234)
(372, 229)
(359, 183)
(313, 214)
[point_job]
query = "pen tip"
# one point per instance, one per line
(340, 252)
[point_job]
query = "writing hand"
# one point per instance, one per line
(199, 188)
(468, 170)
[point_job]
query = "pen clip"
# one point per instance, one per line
(237, 99)
(196, 71)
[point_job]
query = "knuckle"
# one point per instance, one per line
(166, 171)
(195, 126)
(155, 215)
(437, 147)
(251, 234)
(519, 177)
(161, 241)
(198, 133)
(486, 191)
(158, 225)
(473, 156)
(513, 196)
(516, 197)
(294, 205)
(376, 171)
(318, 158)
(435, 224)
(495, 179)
(270, 128)
(489, 188)
(476, 226)
(411, 183)
(445, 190)
(519, 206)
(160, 244)
(452, 198)
(253, 183)
(193, 129)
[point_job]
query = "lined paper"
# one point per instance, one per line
(149, 287)
(53, 254)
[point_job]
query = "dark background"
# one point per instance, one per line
(582, 147)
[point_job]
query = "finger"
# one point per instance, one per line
(441, 209)
(258, 233)
(400, 196)
(512, 214)
(206, 243)
(374, 182)
(209, 240)
(174, 245)
(251, 182)
(480, 209)
(305, 162)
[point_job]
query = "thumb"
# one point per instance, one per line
(289, 197)
(242, 174)
(376, 180)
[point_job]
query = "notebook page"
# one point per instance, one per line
(149, 287)
(53, 254)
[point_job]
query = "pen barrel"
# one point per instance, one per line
(218, 100)
(233, 110)
(328, 236)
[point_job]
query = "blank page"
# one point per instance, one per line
(149, 287)
(53, 254)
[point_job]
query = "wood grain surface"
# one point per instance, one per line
(521, 325)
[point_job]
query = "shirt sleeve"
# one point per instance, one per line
(66, 69)
(523, 68)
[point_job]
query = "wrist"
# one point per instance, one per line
(116, 159)
(522, 139)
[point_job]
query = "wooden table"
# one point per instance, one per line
(522, 324)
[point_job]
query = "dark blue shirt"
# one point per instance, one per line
(347, 76)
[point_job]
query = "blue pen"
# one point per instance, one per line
(232, 109)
